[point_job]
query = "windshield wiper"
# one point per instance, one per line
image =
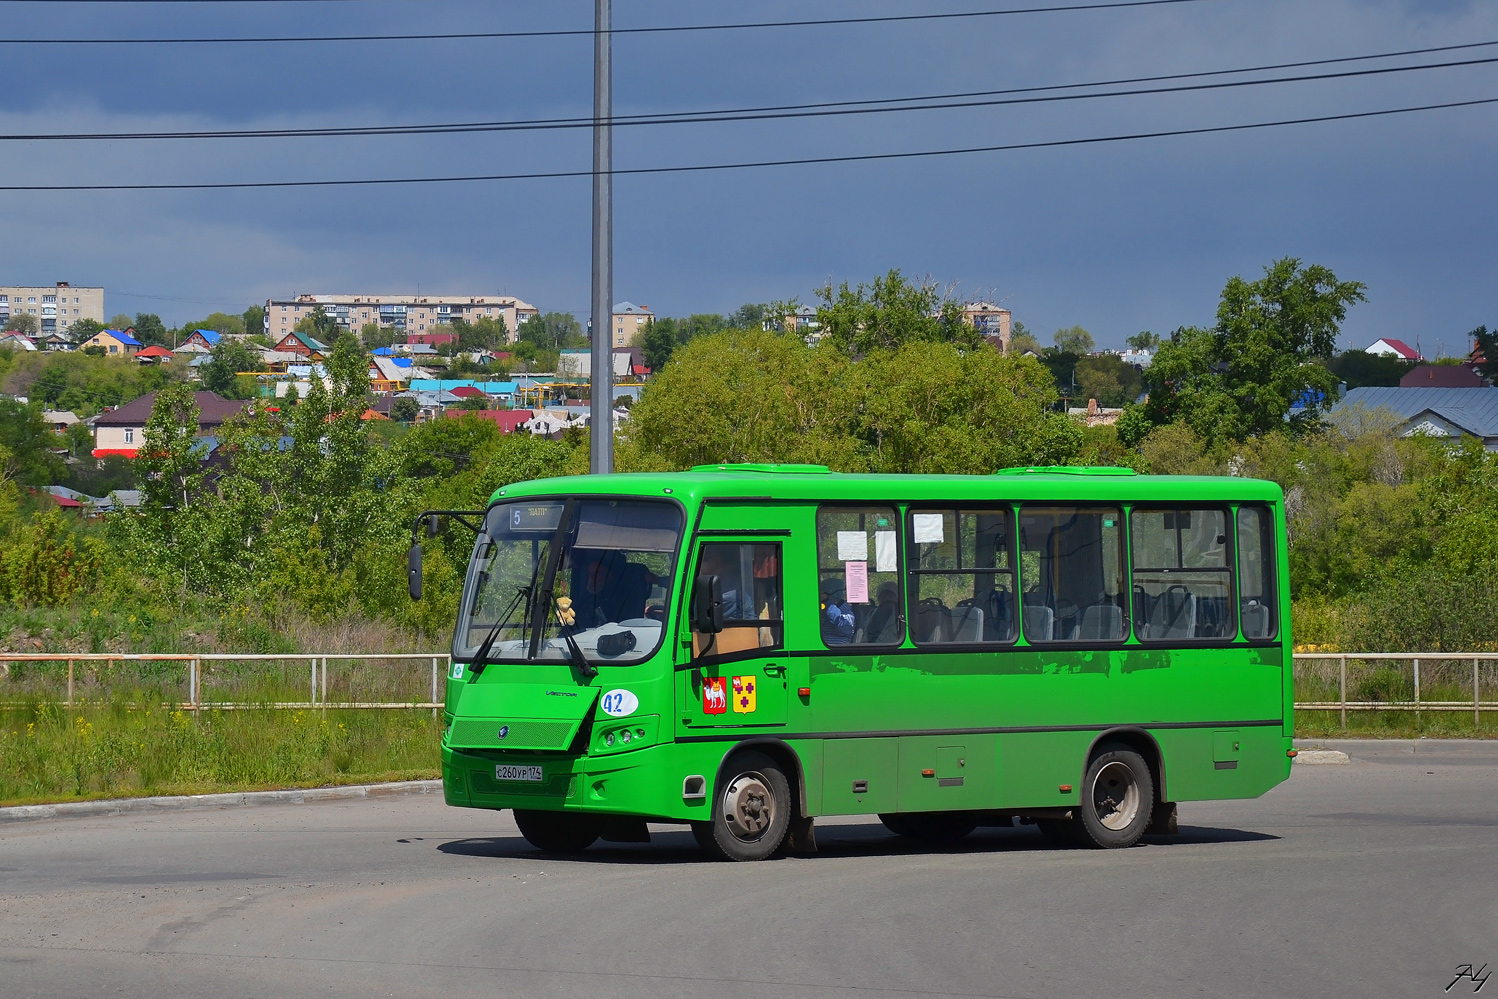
(481, 655)
(574, 651)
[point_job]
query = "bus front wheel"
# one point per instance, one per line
(558, 832)
(751, 811)
(1118, 795)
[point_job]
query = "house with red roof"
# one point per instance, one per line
(154, 354)
(509, 421)
(201, 341)
(1389, 347)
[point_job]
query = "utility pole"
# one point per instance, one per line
(601, 406)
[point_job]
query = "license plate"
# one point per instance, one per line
(503, 772)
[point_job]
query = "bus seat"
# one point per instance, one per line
(1102, 622)
(930, 615)
(1039, 623)
(1255, 620)
(1175, 614)
(999, 621)
(965, 623)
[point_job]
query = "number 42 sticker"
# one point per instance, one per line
(619, 703)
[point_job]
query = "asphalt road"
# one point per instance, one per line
(1376, 878)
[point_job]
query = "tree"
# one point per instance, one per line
(221, 373)
(748, 316)
(20, 322)
(1359, 369)
(220, 322)
(1021, 339)
(1142, 341)
(484, 333)
(404, 410)
(1485, 346)
(85, 330)
(890, 313)
(254, 320)
(149, 329)
(120, 321)
(321, 325)
(1108, 379)
(1074, 340)
(658, 342)
(553, 331)
(1266, 355)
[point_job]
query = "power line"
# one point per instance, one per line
(577, 32)
(831, 109)
(752, 164)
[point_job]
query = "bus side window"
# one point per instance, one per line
(1071, 574)
(750, 578)
(1256, 571)
(1182, 579)
(858, 576)
(961, 576)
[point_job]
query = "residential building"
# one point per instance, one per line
(1442, 376)
(1432, 412)
(508, 420)
(115, 343)
(201, 341)
(303, 344)
(56, 308)
(1390, 347)
(154, 355)
(122, 431)
(804, 318)
(576, 363)
(406, 313)
(628, 320)
(59, 419)
(992, 321)
(431, 339)
(16, 341)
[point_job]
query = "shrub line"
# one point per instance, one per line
(194, 802)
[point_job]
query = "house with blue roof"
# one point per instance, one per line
(115, 343)
(201, 341)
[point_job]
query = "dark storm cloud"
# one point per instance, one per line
(1118, 238)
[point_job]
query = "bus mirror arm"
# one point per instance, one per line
(707, 605)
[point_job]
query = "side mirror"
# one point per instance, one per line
(707, 605)
(413, 571)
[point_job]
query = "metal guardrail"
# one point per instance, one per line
(198, 668)
(1446, 681)
(319, 666)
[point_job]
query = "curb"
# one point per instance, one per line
(1321, 757)
(196, 802)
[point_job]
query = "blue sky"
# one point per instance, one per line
(1117, 238)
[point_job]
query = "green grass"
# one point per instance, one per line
(49, 753)
(1395, 725)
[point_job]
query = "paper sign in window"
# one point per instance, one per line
(852, 546)
(930, 528)
(884, 551)
(857, 581)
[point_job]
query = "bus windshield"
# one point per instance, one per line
(551, 579)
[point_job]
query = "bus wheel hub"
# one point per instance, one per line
(748, 806)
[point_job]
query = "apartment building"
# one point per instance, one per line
(629, 319)
(55, 307)
(992, 321)
(406, 313)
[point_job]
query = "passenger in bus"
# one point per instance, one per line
(606, 587)
(837, 613)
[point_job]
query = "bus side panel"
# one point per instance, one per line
(1207, 763)
(1037, 765)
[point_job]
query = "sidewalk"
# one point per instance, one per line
(238, 799)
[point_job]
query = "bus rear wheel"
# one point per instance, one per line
(558, 832)
(1118, 796)
(751, 812)
(930, 827)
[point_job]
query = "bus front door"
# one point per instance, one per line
(738, 677)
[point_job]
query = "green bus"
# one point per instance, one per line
(744, 648)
